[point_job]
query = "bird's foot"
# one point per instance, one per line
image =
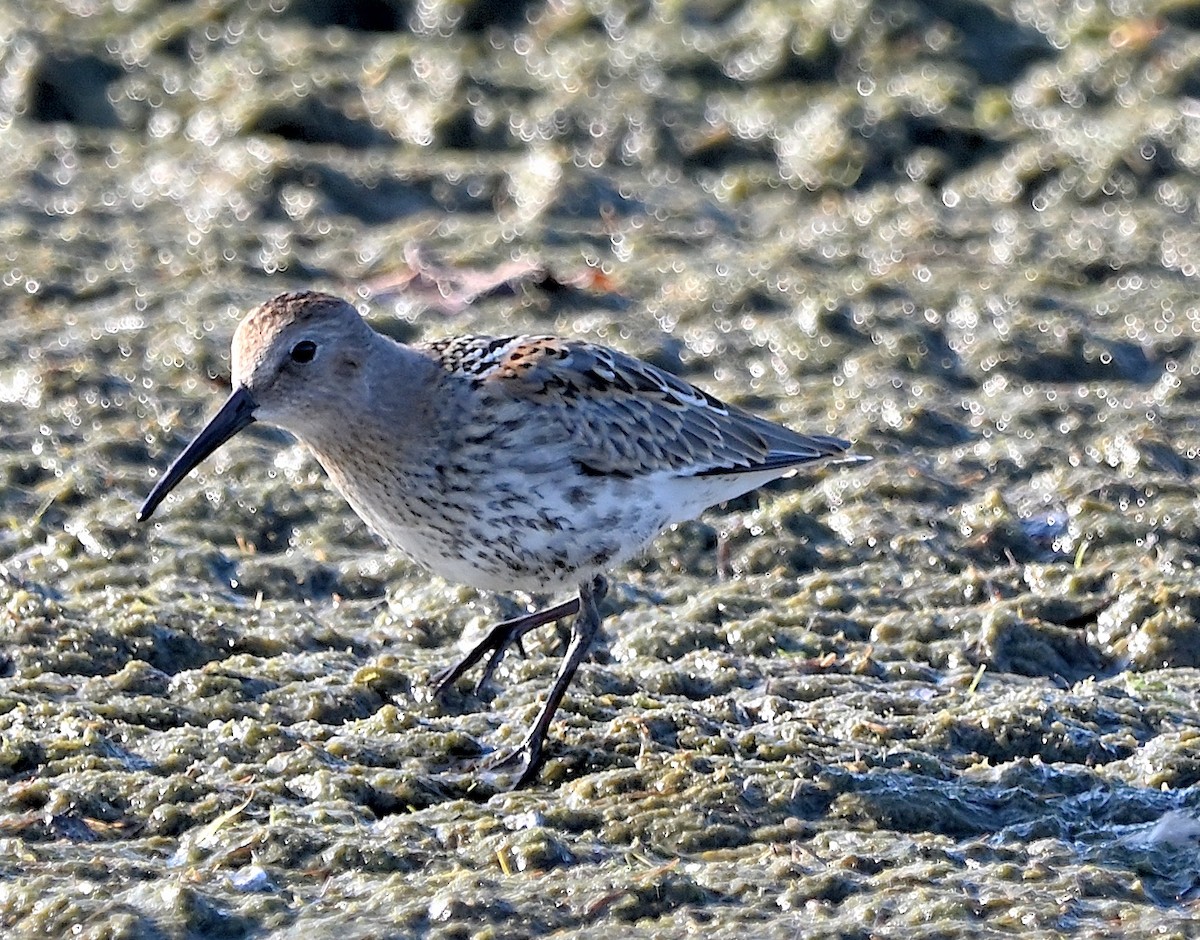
(515, 769)
(494, 645)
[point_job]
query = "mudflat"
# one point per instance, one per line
(950, 692)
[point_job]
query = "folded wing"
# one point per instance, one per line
(626, 417)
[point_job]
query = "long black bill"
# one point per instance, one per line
(235, 414)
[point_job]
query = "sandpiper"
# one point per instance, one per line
(502, 462)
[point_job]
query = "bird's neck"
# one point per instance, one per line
(386, 416)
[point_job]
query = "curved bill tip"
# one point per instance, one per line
(235, 414)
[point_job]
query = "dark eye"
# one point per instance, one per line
(304, 351)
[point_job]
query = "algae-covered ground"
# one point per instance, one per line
(951, 692)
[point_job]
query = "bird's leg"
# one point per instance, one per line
(496, 641)
(528, 755)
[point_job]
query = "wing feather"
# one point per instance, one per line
(623, 416)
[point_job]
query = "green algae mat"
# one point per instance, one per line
(948, 693)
